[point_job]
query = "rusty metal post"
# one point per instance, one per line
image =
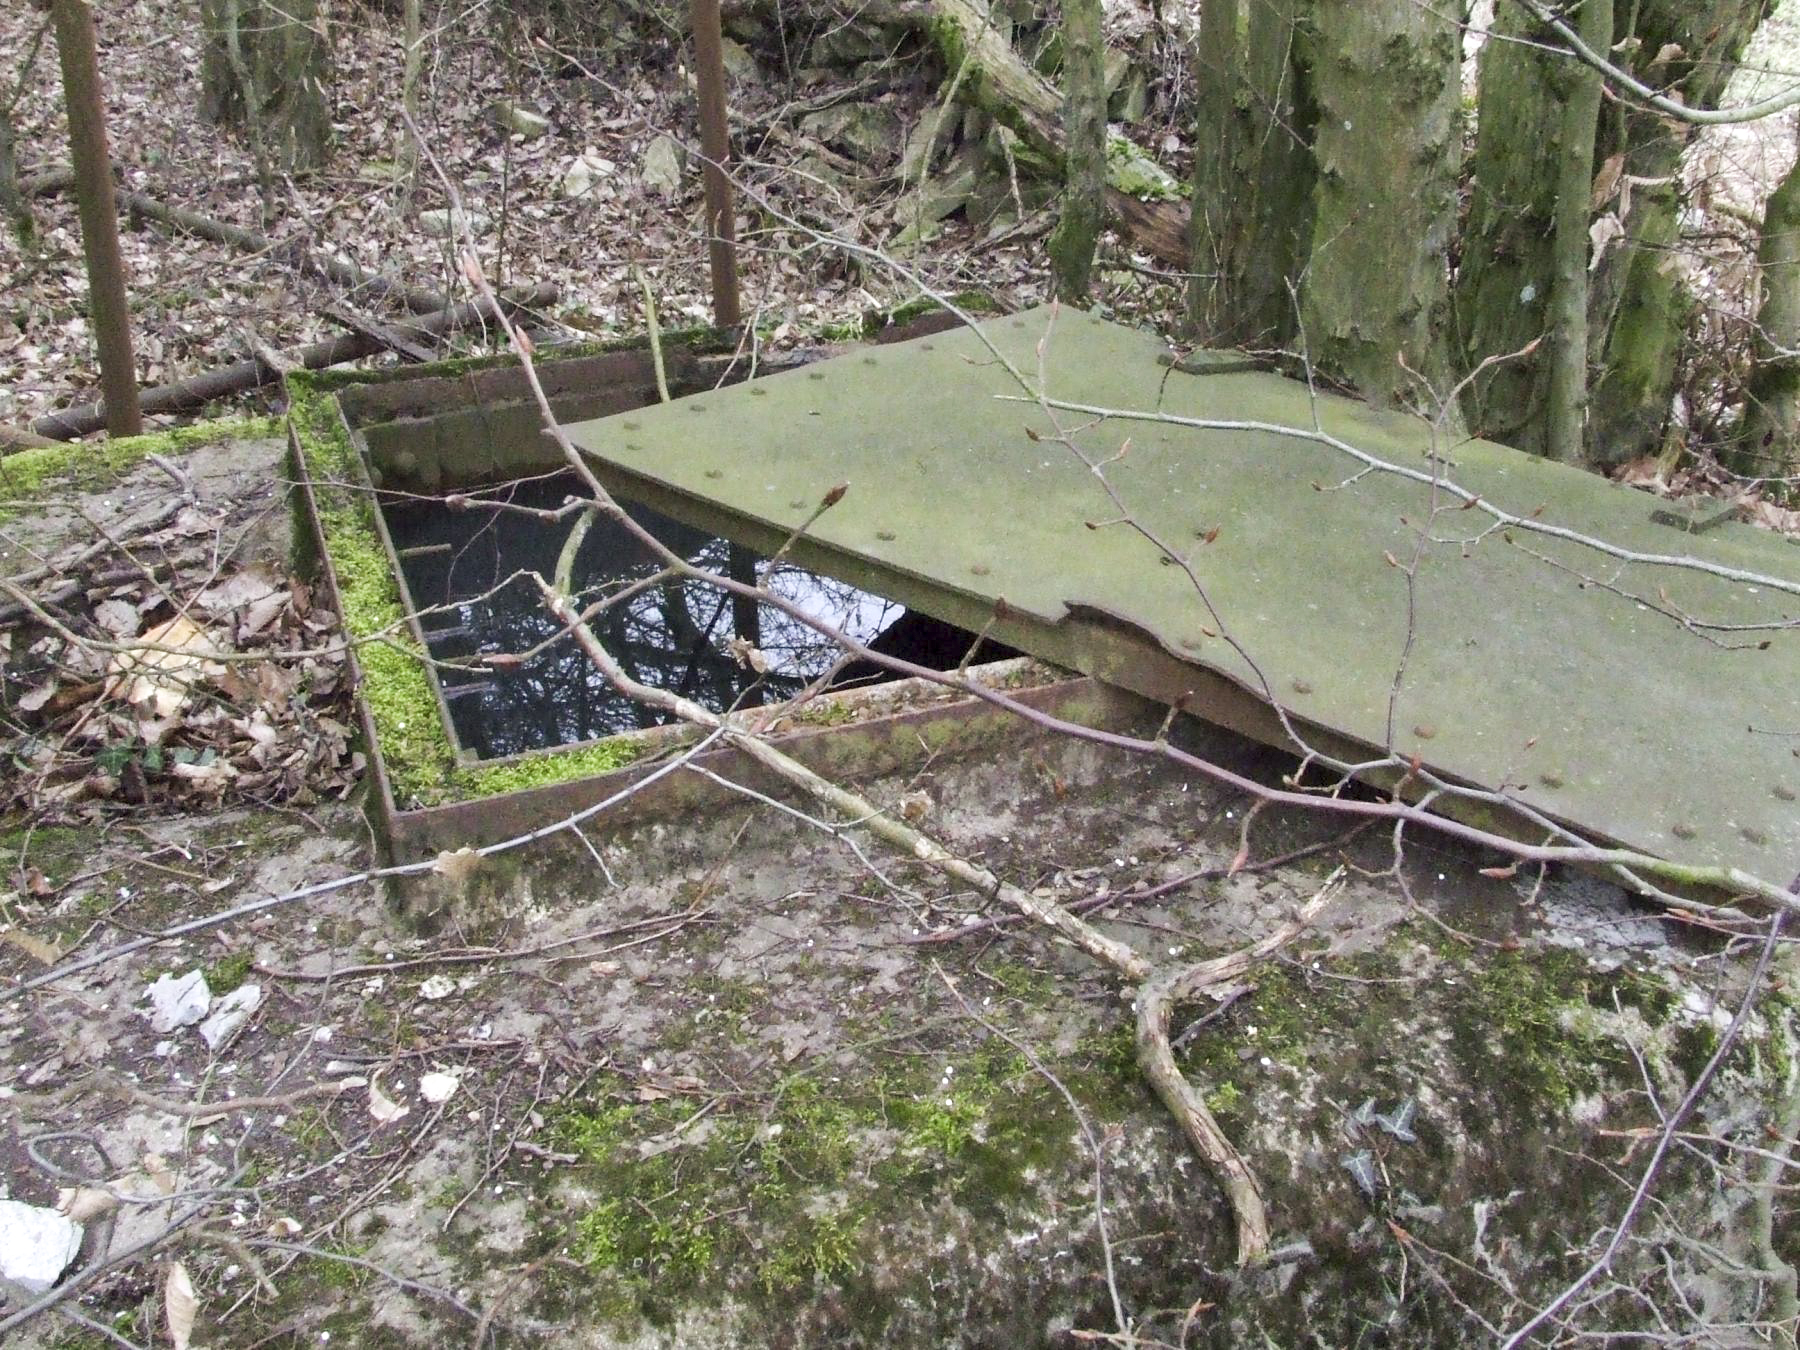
(721, 222)
(109, 314)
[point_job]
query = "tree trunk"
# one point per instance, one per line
(1768, 445)
(109, 309)
(1639, 306)
(1503, 286)
(266, 71)
(1253, 173)
(1565, 414)
(1636, 307)
(1084, 128)
(1387, 81)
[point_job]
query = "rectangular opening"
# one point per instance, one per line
(467, 560)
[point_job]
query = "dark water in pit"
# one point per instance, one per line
(673, 635)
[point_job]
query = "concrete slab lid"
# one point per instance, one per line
(1537, 666)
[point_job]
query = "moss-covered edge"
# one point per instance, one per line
(94, 464)
(421, 763)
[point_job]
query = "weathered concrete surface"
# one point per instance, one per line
(739, 1105)
(773, 1123)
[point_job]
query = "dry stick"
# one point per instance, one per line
(492, 954)
(1155, 1008)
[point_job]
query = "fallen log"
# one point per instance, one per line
(200, 389)
(17, 438)
(388, 336)
(1142, 197)
(141, 206)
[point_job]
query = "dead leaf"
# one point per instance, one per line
(180, 1304)
(1606, 182)
(119, 618)
(156, 1167)
(1603, 233)
(38, 697)
(84, 1204)
(45, 953)
(458, 865)
(383, 1107)
(438, 1087)
(164, 678)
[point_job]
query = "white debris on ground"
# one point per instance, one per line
(36, 1245)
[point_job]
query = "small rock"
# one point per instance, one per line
(230, 1013)
(36, 1245)
(584, 171)
(739, 64)
(516, 117)
(661, 169)
(445, 224)
(178, 1001)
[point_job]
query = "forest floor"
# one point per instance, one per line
(198, 305)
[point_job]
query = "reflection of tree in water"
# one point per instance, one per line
(672, 635)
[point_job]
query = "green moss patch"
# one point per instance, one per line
(421, 763)
(92, 465)
(781, 1193)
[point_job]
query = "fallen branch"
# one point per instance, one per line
(1156, 1001)
(141, 206)
(200, 389)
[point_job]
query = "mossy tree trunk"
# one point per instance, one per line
(1386, 79)
(1565, 413)
(1640, 307)
(1636, 307)
(1253, 172)
(1084, 128)
(1325, 184)
(266, 70)
(1769, 444)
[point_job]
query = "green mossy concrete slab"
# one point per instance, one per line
(1538, 665)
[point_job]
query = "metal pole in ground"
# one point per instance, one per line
(109, 314)
(721, 224)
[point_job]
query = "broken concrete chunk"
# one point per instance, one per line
(584, 171)
(661, 169)
(738, 62)
(230, 1013)
(518, 118)
(446, 224)
(178, 1001)
(36, 1245)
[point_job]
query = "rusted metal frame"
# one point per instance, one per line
(873, 747)
(109, 311)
